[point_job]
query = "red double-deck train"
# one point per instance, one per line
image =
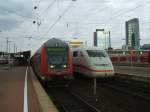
(53, 61)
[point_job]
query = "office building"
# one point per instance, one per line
(132, 34)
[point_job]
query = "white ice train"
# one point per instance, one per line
(92, 62)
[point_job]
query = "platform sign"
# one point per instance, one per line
(57, 49)
(75, 43)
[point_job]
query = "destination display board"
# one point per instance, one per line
(56, 49)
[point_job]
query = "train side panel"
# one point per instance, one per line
(43, 64)
(70, 64)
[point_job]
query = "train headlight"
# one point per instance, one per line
(52, 66)
(64, 66)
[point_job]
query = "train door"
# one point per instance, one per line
(75, 61)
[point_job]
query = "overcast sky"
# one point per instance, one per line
(67, 19)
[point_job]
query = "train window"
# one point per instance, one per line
(75, 53)
(57, 55)
(96, 53)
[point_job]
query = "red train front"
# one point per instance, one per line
(53, 61)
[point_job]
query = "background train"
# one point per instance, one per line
(53, 61)
(92, 62)
(137, 57)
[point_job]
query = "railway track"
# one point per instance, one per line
(70, 102)
(110, 97)
(135, 88)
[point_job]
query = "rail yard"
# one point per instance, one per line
(128, 90)
(74, 56)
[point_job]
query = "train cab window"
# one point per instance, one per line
(75, 53)
(96, 53)
(57, 55)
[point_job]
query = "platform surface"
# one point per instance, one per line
(12, 81)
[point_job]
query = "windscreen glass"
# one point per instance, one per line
(57, 55)
(96, 53)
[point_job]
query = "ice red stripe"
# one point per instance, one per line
(90, 69)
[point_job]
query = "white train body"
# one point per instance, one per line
(92, 62)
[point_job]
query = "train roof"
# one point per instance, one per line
(55, 43)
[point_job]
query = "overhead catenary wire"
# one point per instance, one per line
(38, 3)
(127, 11)
(73, 22)
(48, 7)
(31, 22)
(58, 6)
(57, 20)
(60, 18)
(102, 23)
(98, 23)
(15, 13)
(24, 18)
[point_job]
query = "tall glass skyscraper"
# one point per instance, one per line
(101, 39)
(132, 34)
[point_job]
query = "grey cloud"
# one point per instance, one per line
(12, 12)
(19, 8)
(90, 11)
(7, 24)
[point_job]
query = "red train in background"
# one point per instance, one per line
(142, 57)
(53, 61)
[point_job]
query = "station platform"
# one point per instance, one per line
(132, 72)
(20, 91)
